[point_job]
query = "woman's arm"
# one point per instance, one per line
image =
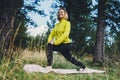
(64, 35)
(50, 38)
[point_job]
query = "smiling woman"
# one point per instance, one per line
(59, 40)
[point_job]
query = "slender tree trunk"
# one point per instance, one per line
(99, 44)
(7, 17)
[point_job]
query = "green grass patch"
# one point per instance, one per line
(13, 69)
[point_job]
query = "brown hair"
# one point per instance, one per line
(65, 14)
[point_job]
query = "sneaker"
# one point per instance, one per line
(82, 68)
(49, 68)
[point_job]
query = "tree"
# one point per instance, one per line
(8, 10)
(99, 44)
(112, 22)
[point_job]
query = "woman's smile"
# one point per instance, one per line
(61, 14)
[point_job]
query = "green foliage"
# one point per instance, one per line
(21, 37)
(20, 28)
(37, 43)
(10, 20)
(112, 15)
(112, 12)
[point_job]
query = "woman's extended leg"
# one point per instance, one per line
(66, 53)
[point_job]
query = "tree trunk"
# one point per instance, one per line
(99, 44)
(7, 16)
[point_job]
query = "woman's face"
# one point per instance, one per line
(61, 14)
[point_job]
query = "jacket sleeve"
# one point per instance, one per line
(64, 35)
(50, 38)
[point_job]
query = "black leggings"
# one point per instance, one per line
(65, 50)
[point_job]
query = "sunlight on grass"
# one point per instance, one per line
(34, 57)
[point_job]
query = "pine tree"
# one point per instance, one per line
(8, 11)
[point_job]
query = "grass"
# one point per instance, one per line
(13, 70)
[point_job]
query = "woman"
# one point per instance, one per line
(59, 40)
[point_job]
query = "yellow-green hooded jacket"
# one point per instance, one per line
(60, 33)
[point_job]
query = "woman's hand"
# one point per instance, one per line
(51, 42)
